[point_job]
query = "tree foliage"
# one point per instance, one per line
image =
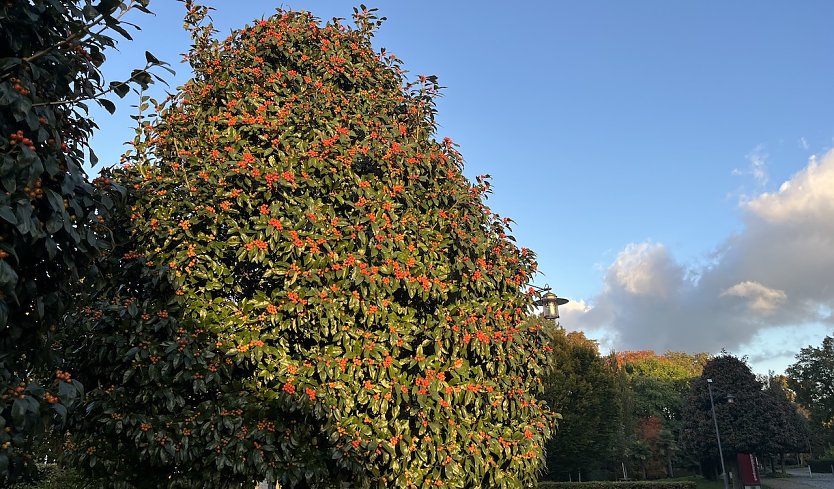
(50, 214)
(657, 386)
(811, 377)
(792, 433)
(580, 386)
(308, 289)
(754, 422)
(660, 382)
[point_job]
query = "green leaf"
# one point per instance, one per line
(7, 214)
(120, 88)
(151, 59)
(7, 273)
(49, 243)
(6, 64)
(107, 7)
(61, 410)
(108, 105)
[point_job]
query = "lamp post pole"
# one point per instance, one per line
(717, 436)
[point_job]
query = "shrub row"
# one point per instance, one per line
(821, 466)
(618, 485)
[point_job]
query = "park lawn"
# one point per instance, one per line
(700, 482)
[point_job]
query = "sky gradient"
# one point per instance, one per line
(670, 163)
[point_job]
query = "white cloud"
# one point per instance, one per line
(775, 273)
(574, 307)
(760, 299)
(758, 166)
(645, 269)
(808, 196)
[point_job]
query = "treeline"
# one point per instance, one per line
(643, 415)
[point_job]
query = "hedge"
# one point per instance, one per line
(618, 485)
(821, 466)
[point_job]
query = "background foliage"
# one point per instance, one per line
(755, 421)
(581, 387)
(50, 215)
(812, 379)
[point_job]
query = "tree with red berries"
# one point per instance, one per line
(308, 289)
(50, 213)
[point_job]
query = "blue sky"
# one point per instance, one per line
(639, 146)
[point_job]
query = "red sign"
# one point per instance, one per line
(748, 469)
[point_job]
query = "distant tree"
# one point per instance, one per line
(580, 387)
(790, 429)
(811, 377)
(746, 425)
(658, 384)
(307, 289)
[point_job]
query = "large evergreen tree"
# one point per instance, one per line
(790, 430)
(309, 290)
(581, 388)
(751, 423)
(812, 378)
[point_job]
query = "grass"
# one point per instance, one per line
(700, 482)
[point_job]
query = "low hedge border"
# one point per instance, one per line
(822, 466)
(618, 485)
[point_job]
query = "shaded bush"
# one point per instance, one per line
(821, 466)
(619, 485)
(51, 476)
(50, 213)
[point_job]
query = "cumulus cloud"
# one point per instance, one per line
(645, 269)
(760, 299)
(806, 198)
(775, 273)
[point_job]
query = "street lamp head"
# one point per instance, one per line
(550, 302)
(709, 381)
(731, 398)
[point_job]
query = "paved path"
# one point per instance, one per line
(800, 479)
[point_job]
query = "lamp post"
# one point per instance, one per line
(730, 399)
(550, 302)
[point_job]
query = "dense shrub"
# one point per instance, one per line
(619, 485)
(50, 229)
(310, 290)
(822, 466)
(51, 476)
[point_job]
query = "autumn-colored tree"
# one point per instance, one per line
(50, 229)
(309, 290)
(581, 388)
(658, 385)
